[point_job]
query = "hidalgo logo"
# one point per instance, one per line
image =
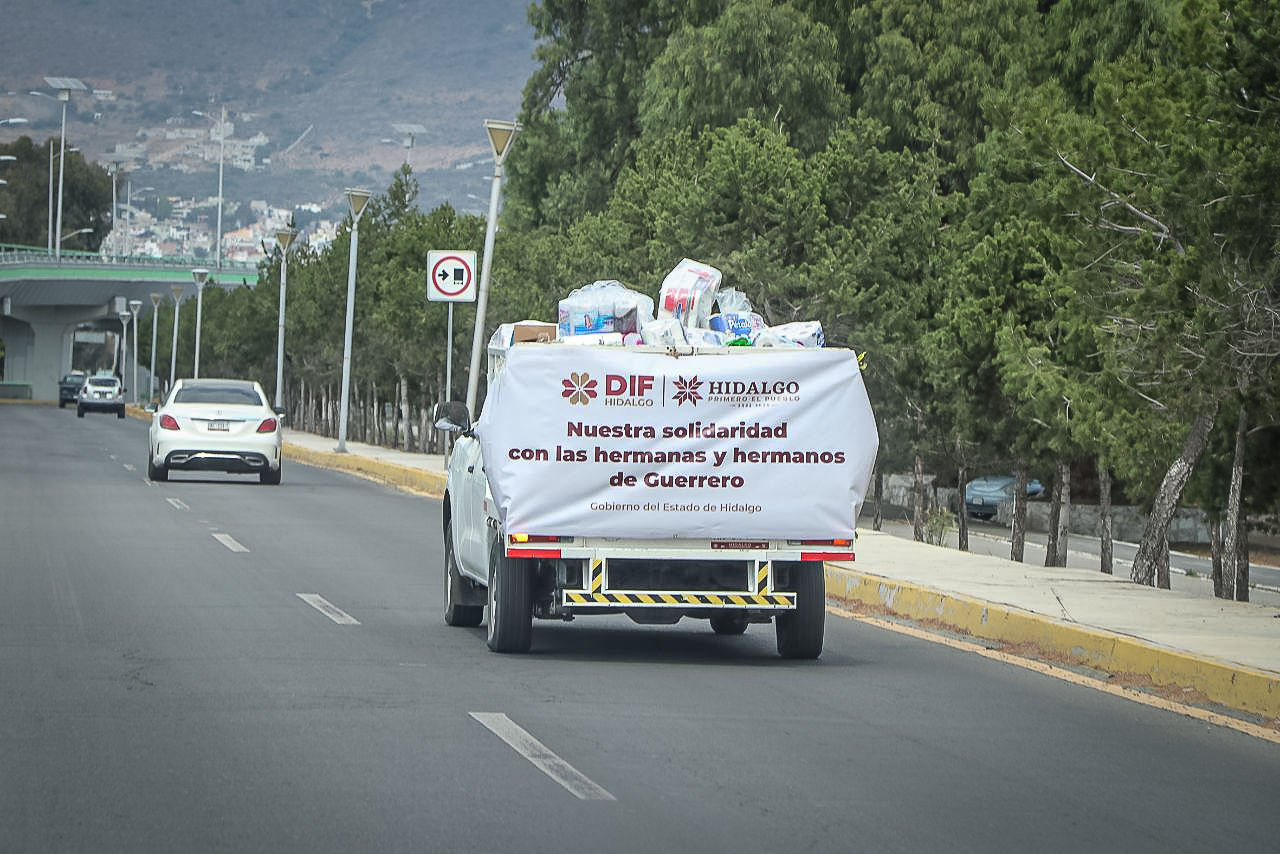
(687, 390)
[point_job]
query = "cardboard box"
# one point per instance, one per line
(533, 330)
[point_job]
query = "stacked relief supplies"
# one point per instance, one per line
(607, 312)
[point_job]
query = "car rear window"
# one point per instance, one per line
(103, 382)
(224, 396)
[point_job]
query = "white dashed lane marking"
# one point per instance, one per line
(331, 611)
(230, 542)
(547, 762)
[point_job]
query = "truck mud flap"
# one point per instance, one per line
(762, 597)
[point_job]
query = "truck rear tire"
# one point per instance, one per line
(510, 617)
(456, 613)
(800, 632)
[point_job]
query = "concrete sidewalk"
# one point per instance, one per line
(1227, 653)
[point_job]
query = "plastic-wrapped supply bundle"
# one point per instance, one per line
(735, 319)
(688, 293)
(807, 333)
(705, 337)
(603, 306)
(664, 332)
(737, 324)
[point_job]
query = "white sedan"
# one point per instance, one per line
(215, 425)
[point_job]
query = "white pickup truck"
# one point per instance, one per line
(711, 484)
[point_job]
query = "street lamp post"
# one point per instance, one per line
(222, 143)
(284, 237)
(357, 199)
(500, 136)
(135, 305)
(65, 86)
(173, 352)
(155, 321)
(124, 344)
(201, 275)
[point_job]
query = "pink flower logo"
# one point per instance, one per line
(579, 388)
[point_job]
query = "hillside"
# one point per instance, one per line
(332, 76)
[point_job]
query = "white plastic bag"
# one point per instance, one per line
(688, 293)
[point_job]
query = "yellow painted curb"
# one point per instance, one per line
(1232, 685)
(428, 482)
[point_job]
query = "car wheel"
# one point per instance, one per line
(270, 476)
(729, 623)
(800, 631)
(510, 607)
(62, 404)
(120, 412)
(456, 613)
(156, 473)
(79, 411)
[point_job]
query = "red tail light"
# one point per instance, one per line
(168, 422)
(268, 426)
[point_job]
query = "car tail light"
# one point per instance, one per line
(268, 426)
(168, 422)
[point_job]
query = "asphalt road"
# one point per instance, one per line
(216, 665)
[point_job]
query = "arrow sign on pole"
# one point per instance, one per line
(451, 276)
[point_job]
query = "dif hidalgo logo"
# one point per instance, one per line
(629, 390)
(634, 389)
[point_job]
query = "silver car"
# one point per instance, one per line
(100, 394)
(215, 425)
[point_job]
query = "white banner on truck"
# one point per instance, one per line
(635, 443)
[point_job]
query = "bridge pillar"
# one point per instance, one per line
(38, 346)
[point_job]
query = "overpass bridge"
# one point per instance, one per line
(45, 298)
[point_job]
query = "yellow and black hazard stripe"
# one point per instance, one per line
(763, 597)
(656, 598)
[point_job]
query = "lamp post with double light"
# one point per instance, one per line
(173, 352)
(222, 142)
(500, 136)
(135, 305)
(65, 86)
(201, 276)
(284, 238)
(156, 299)
(357, 199)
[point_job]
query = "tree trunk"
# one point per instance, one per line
(1215, 558)
(1231, 525)
(962, 516)
(1018, 531)
(1104, 518)
(877, 520)
(917, 502)
(1064, 514)
(1242, 565)
(405, 415)
(1055, 513)
(1153, 550)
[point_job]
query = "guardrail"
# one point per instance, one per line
(15, 391)
(13, 253)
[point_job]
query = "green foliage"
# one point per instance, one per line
(25, 197)
(757, 60)
(1049, 227)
